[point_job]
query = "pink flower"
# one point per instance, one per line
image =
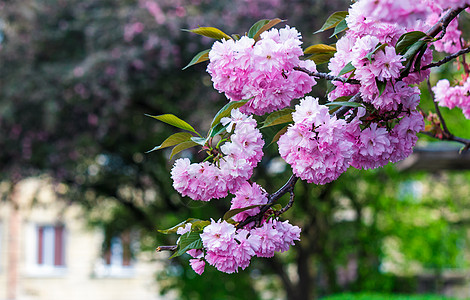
(405, 133)
(373, 148)
(289, 233)
(316, 146)
(387, 64)
(268, 237)
(218, 236)
(248, 195)
(262, 72)
(198, 265)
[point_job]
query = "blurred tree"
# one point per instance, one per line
(77, 78)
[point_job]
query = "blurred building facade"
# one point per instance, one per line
(48, 252)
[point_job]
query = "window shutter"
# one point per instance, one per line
(58, 245)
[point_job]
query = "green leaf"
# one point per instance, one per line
(197, 225)
(422, 50)
(211, 32)
(406, 40)
(188, 241)
(236, 211)
(276, 207)
(347, 68)
(379, 47)
(333, 20)
(181, 147)
(278, 134)
(199, 140)
(343, 103)
(257, 26)
(174, 121)
(381, 85)
(174, 139)
(218, 129)
(343, 99)
(321, 58)
(342, 26)
(319, 48)
(278, 117)
(226, 111)
(200, 57)
(265, 27)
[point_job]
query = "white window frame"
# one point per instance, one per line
(116, 267)
(47, 268)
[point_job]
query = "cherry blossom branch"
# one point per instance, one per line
(166, 248)
(446, 59)
(327, 76)
(436, 106)
(288, 187)
(446, 134)
(343, 110)
(288, 206)
(442, 24)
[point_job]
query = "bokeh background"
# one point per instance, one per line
(81, 201)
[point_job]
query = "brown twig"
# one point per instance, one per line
(445, 20)
(343, 110)
(166, 248)
(438, 111)
(327, 76)
(446, 59)
(288, 187)
(288, 206)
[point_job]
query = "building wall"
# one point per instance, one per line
(84, 276)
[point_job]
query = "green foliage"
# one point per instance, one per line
(261, 26)
(196, 225)
(340, 27)
(278, 117)
(226, 111)
(407, 40)
(198, 58)
(333, 20)
(234, 212)
(175, 121)
(211, 32)
(343, 103)
(346, 69)
(368, 296)
(188, 241)
(173, 140)
(319, 48)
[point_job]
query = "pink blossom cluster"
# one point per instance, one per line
(451, 3)
(261, 71)
(207, 180)
(320, 148)
(457, 96)
(248, 195)
(369, 45)
(228, 249)
(373, 23)
(383, 67)
(387, 18)
(315, 145)
(377, 144)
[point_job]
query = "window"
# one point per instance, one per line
(117, 258)
(50, 241)
(46, 250)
